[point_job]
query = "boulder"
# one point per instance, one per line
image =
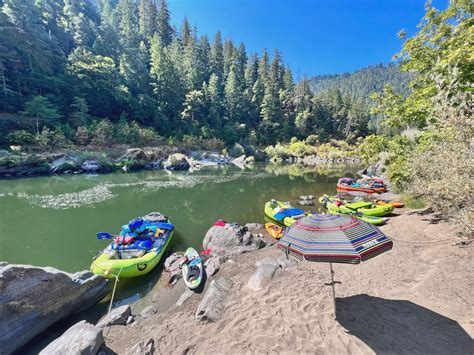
(177, 161)
(307, 197)
(90, 166)
(184, 297)
(306, 202)
(155, 165)
(213, 304)
(263, 275)
(230, 239)
(33, 298)
(117, 316)
(81, 339)
(145, 347)
(133, 154)
(240, 162)
(64, 165)
(212, 265)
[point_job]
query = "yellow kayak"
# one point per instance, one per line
(274, 230)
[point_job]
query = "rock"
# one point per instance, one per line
(117, 316)
(240, 162)
(90, 166)
(230, 239)
(212, 265)
(130, 319)
(133, 154)
(184, 297)
(262, 277)
(145, 347)
(213, 304)
(177, 161)
(148, 311)
(255, 227)
(172, 264)
(65, 164)
(81, 339)
(155, 165)
(306, 202)
(33, 298)
(308, 197)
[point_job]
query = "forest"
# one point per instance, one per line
(104, 72)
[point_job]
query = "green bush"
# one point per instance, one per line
(20, 138)
(312, 139)
(237, 150)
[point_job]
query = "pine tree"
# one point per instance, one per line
(233, 97)
(79, 111)
(165, 31)
(214, 96)
(128, 24)
(186, 35)
(217, 59)
(228, 57)
(148, 18)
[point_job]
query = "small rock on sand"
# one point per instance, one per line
(117, 316)
(145, 347)
(212, 265)
(184, 297)
(147, 311)
(213, 303)
(262, 277)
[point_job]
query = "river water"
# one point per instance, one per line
(52, 221)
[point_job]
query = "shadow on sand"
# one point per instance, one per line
(401, 327)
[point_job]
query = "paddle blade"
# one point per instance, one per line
(104, 235)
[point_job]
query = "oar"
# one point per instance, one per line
(104, 235)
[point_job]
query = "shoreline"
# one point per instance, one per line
(413, 299)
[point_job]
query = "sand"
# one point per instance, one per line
(417, 298)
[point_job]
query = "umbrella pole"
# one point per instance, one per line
(332, 283)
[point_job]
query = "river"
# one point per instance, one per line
(52, 221)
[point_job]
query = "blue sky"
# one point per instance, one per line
(314, 36)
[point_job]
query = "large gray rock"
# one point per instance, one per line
(33, 298)
(117, 316)
(81, 339)
(145, 347)
(212, 265)
(263, 276)
(230, 240)
(134, 154)
(177, 161)
(213, 304)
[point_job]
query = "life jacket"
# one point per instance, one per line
(124, 240)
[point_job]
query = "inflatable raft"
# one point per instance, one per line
(136, 251)
(283, 213)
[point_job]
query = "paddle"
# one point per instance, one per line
(104, 235)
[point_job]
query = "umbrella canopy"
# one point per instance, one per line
(334, 238)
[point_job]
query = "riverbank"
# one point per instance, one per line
(418, 298)
(18, 164)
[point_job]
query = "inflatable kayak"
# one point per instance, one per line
(396, 204)
(348, 185)
(366, 208)
(334, 208)
(192, 268)
(137, 250)
(283, 213)
(274, 230)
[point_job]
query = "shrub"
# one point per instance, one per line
(20, 138)
(237, 150)
(103, 134)
(312, 139)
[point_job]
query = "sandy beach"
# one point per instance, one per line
(416, 298)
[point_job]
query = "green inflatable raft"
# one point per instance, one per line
(334, 208)
(136, 251)
(283, 213)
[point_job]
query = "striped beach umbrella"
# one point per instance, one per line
(334, 239)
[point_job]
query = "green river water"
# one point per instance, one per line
(52, 221)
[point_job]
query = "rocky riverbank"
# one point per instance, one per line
(418, 298)
(17, 165)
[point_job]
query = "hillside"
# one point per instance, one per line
(363, 82)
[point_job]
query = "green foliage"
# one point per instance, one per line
(21, 138)
(237, 150)
(127, 63)
(433, 164)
